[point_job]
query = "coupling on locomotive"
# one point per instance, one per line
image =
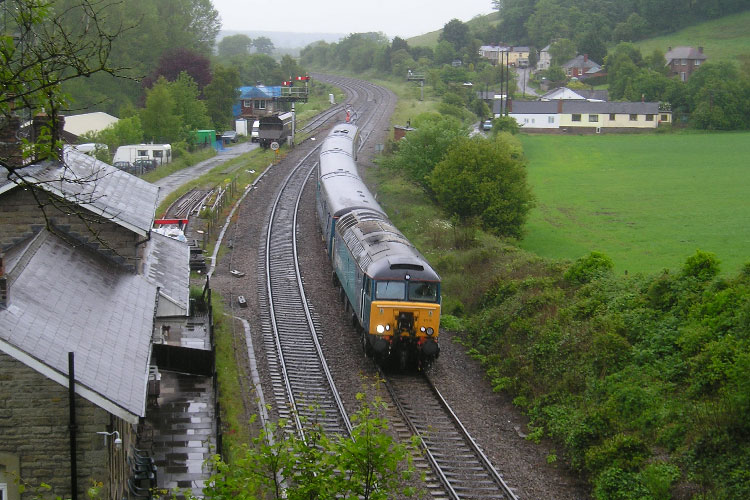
(391, 290)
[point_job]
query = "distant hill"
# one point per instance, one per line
(726, 38)
(283, 40)
(431, 39)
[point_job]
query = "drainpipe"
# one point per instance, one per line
(72, 427)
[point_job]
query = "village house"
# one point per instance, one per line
(581, 116)
(581, 67)
(684, 61)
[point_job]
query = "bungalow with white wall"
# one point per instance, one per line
(579, 116)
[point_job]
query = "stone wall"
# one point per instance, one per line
(21, 216)
(34, 428)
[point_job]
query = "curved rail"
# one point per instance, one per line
(461, 466)
(309, 386)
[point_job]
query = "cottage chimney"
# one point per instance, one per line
(10, 145)
(700, 49)
(3, 284)
(585, 58)
(559, 106)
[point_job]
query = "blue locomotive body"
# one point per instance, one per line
(392, 291)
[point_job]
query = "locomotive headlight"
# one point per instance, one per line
(380, 328)
(430, 331)
(422, 329)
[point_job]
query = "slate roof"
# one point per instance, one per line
(579, 106)
(684, 53)
(64, 298)
(105, 190)
(635, 108)
(580, 61)
(167, 264)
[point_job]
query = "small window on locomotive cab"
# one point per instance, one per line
(423, 291)
(391, 290)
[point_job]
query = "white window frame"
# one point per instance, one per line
(551, 119)
(260, 104)
(697, 62)
(247, 103)
(594, 118)
(3, 491)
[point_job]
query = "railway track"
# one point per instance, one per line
(459, 464)
(303, 387)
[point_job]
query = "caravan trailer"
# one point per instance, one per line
(161, 153)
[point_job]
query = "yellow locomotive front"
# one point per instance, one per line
(404, 321)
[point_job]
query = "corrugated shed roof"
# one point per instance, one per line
(66, 298)
(105, 190)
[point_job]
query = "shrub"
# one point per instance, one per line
(702, 265)
(586, 269)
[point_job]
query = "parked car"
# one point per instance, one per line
(123, 165)
(229, 135)
(144, 165)
(487, 125)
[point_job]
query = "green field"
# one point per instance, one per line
(648, 201)
(726, 38)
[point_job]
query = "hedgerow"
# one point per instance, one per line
(643, 380)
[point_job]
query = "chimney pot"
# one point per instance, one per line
(585, 58)
(700, 49)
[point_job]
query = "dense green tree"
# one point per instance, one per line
(124, 131)
(258, 68)
(485, 178)
(161, 123)
(399, 43)
(444, 52)
(233, 45)
(548, 22)
(263, 45)
(456, 33)
(192, 111)
(425, 147)
(719, 97)
(561, 51)
(221, 94)
(591, 43)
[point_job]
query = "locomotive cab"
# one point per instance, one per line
(404, 317)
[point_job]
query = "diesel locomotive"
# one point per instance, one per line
(391, 290)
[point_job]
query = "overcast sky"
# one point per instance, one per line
(404, 18)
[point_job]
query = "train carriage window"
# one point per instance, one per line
(394, 290)
(423, 291)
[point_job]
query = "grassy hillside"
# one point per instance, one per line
(431, 39)
(647, 201)
(727, 38)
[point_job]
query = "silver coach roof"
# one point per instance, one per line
(381, 250)
(345, 191)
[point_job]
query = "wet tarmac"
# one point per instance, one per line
(180, 432)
